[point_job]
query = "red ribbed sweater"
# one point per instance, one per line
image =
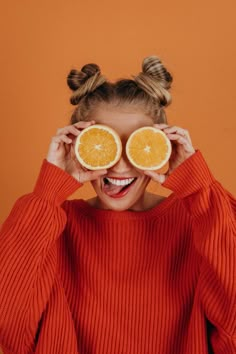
(75, 279)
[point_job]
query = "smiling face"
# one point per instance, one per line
(123, 187)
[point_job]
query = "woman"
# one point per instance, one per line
(138, 274)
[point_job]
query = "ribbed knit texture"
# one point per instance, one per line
(75, 279)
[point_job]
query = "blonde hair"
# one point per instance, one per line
(147, 91)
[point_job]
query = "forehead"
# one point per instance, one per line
(124, 121)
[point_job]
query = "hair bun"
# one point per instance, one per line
(153, 67)
(84, 81)
(77, 78)
(155, 80)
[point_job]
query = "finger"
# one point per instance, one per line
(74, 128)
(74, 139)
(175, 129)
(84, 124)
(62, 138)
(156, 177)
(70, 129)
(179, 131)
(183, 141)
(56, 142)
(161, 125)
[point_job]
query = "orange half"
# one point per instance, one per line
(98, 147)
(148, 148)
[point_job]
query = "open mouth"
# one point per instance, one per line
(116, 187)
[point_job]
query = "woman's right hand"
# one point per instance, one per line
(61, 153)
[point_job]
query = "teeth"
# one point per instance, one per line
(120, 182)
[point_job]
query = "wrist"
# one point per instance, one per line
(54, 184)
(191, 176)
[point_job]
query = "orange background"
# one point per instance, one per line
(43, 40)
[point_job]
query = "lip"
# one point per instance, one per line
(120, 178)
(125, 191)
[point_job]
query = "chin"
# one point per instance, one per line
(120, 204)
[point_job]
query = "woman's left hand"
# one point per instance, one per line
(182, 149)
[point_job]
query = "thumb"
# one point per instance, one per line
(92, 175)
(156, 177)
(87, 176)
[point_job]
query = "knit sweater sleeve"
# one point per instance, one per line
(28, 257)
(212, 211)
